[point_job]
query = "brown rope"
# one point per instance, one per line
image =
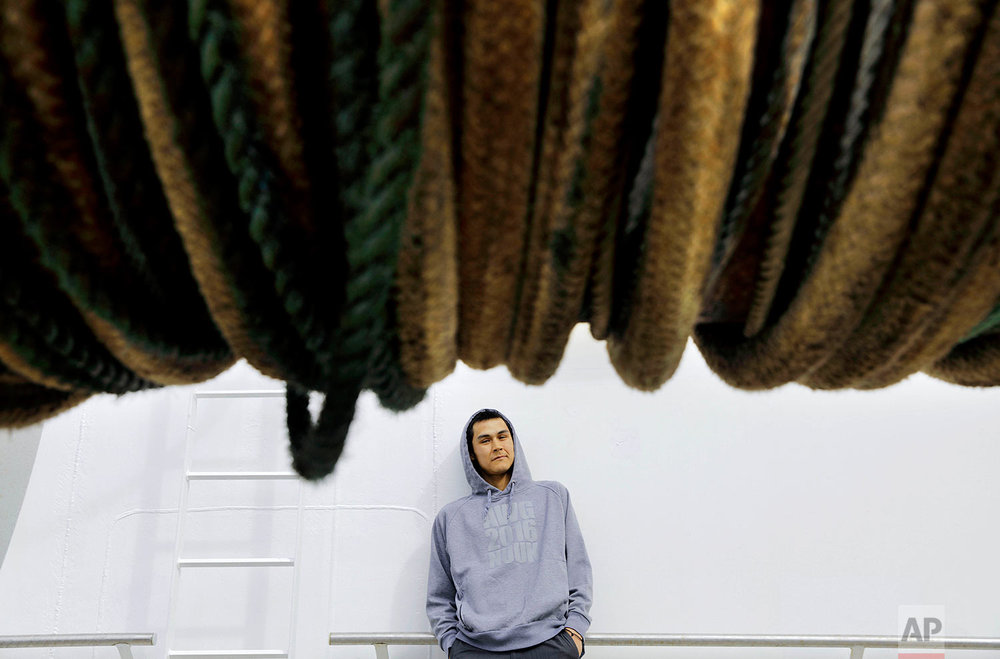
(427, 266)
(944, 241)
(707, 72)
(196, 193)
(548, 179)
(23, 403)
(796, 156)
(974, 363)
(862, 244)
(503, 47)
(266, 41)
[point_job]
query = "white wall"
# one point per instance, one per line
(17, 455)
(705, 509)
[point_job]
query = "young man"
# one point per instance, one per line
(509, 573)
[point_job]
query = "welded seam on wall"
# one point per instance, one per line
(435, 417)
(70, 528)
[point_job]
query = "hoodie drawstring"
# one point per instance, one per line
(489, 499)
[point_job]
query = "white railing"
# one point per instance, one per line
(856, 644)
(122, 642)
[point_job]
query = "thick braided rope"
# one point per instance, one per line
(38, 361)
(589, 173)
(426, 289)
(42, 335)
(947, 233)
(297, 417)
(369, 242)
(40, 65)
(281, 217)
(612, 275)
(553, 243)
(974, 363)
(987, 326)
(594, 194)
(114, 131)
(56, 343)
(188, 153)
(972, 301)
(354, 35)
(406, 33)
(258, 192)
(309, 59)
(58, 359)
(703, 98)
(630, 243)
(373, 238)
(353, 31)
(51, 316)
(50, 122)
(862, 244)
(831, 181)
(59, 185)
(83, 253)
(23, 403)
(32, 194)
(548, 172)
(265, 40)
(795, 157)
(46, 341)
(503, 58)
(125, 163)
(194, 349)
(777, 78)
(845, 31)
(597, 295)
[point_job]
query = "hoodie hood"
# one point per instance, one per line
(521, 474)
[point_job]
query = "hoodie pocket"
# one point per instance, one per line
(487, 607)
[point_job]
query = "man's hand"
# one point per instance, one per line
(577, 639)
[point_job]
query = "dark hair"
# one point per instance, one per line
(483, 415)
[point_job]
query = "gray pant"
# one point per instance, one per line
(560, 646)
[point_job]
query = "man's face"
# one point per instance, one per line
(492, 446)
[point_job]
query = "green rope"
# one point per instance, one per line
(136, 198)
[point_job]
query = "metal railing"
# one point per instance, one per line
(856, 644)
(122, 642)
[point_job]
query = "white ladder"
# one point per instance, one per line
(182, 563)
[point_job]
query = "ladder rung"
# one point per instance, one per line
(235, 562)
(242, 475)
(205, 654)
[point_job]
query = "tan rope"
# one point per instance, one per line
(706, 81)
(862, 244)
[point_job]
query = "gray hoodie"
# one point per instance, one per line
(508, 569)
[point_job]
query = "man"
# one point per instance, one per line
(509, 573)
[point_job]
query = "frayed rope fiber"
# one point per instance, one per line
(353, 195)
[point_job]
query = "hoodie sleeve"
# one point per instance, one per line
(441, 611)
(581, 579)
